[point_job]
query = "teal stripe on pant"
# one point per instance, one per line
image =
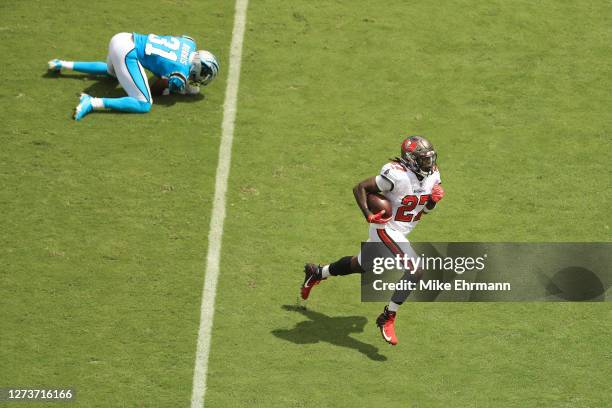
(133, 66)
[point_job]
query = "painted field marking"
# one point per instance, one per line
(215, 234)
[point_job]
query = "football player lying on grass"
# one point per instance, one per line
(411, 184)
(174, 59)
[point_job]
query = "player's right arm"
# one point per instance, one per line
(361, 191)
(385, 181)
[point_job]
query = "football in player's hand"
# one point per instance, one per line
(158, 85)
(377, 203)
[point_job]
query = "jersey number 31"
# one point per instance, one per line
(164, 47)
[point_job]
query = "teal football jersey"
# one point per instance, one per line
(165, 55)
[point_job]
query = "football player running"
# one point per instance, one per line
(411, 183)
(174, 59)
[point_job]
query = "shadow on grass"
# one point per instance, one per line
(333, 330)
(108, 87)
(169, 100)
(104, 86)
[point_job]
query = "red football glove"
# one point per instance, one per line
(378, 218)
(437, 192)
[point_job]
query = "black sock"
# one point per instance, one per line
(341, 267)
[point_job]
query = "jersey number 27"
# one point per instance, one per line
(409, 203)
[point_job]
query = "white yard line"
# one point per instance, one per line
(215, 234)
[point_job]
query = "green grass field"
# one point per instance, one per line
(105, 221)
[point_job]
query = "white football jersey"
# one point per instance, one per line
(407, 194)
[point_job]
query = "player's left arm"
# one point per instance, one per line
(177, 82)
(437, 193)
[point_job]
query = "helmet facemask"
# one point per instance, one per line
(426, 162)
(204, 68)
(418, 155)
(200, 74)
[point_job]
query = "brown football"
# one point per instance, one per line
(377, 202)
(158, 85)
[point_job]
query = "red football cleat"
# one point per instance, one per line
(386, 323)
(312, 277)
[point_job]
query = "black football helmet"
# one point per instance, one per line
(419, 155)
